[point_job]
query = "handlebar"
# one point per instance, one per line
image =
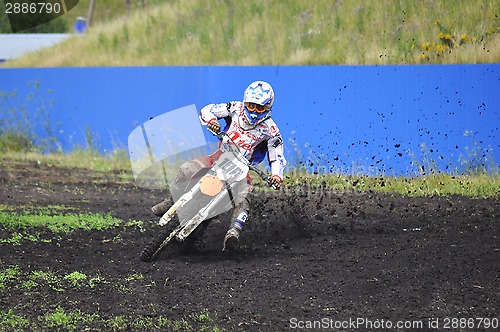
(221, 135)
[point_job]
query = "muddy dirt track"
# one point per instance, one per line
(310, 257)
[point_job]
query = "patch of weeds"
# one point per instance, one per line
(76, 278)
(66, 320)
(116, 239)
(8, 275)
(9, 321)
(181, 325)
(16, 238)
(117, 323)
(135, 223)
(202, 317)
(143, 323)
(94, 281)
(28, 284)
(147, 323)
(204, 321)
(57, 283)
(135, 276)
(61, 319)
(50, 278)
(477, 160)
(59, 223)
(164, 322)
(425, 163)
(123, 289)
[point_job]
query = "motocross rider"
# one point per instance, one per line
(250, 126)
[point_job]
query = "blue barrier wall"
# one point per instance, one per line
(367, 119)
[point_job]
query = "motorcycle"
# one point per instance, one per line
(210, 192)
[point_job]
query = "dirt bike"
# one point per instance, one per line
(210, 192)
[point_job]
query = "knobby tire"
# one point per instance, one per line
(152, 249)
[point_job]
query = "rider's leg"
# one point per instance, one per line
(239, 216)
(179, 185)
(238, 219)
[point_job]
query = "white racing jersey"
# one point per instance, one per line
(253, 141)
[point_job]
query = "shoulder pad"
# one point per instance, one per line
(271, 127)
(234, 106)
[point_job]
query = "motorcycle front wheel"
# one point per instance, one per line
(164, 239)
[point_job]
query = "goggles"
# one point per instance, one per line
(256, 108)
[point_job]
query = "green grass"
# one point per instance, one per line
(114, 166)
(115, 161)
(479, 185)
(61, 319)
(76, 278)
(475, 183)
(9, 321)
(26, 225)
(59, 223)
(8, 275)
(12, 277)
(16, 238)
(57, 316)
(291, 32)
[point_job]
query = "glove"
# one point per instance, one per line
(214, 126)
(276, 180)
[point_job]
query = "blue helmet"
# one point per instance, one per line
(258, 100)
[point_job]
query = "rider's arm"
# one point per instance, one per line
(275, 149)
(214, 112)
(276, 155)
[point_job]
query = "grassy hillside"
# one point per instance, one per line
(263, 32)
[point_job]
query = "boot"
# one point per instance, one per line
(232, 238)
(162, 207)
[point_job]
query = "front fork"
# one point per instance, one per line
(194, 222)
(185, 229)
(183, 200)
